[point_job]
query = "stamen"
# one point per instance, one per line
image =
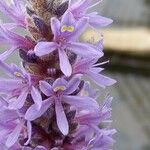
(60, 88)
(67, 28)
(70, 28)
(64, 28)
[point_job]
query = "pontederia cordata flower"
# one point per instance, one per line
(59, 93)
(79, 9)
(45, 103)
(65, 34)
(13, 126)
(19, 86)
(14, 41)
(15, 11)
(91, 69)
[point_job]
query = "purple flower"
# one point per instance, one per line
(97, 117)
(13, 126)
(102, 142)
(15, 11)
(19, 86)
(89, 68)
(58, 94)
(96, 138)
(65, 34)
(88, 131)
(15, 41)
(79, 9)
(86, 139)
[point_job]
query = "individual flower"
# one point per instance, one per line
(66, 33)
(85, 139)
(13, 126)
(91, 69)
(93, 119)
(103, 141)
(15, 11)
(80, 9)
(19, 86)
(89, 135)
(60, 93)
(15, 41)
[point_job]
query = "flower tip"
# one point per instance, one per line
(65, 65)
(101, 54)
(109, 21)
(113, 82)
(65, 131)
(37, 51)
(68, 73)
(110, 82)
(98, 54)
(27, 117)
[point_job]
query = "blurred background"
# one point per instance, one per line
(127, 46)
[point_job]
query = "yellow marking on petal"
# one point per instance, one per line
(17, 74)
(64, 28)
(60, 88)
(67, 28)
(70, 28)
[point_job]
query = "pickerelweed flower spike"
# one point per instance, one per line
(45, 104)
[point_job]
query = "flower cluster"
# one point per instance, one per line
(45, 103)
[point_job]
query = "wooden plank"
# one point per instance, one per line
(125, 40)
(128, 40)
